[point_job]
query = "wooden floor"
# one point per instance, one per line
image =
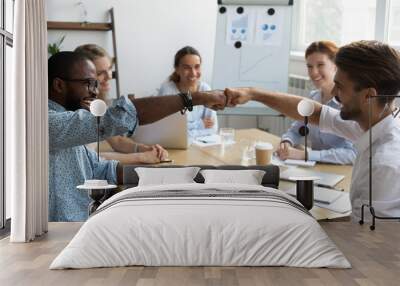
(375, 257)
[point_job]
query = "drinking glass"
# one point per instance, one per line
(227, 136)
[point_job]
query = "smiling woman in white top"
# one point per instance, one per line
(367, 70)
(202, 121)
(325, 147)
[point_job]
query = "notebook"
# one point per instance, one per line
(325, 179)
(209, 140)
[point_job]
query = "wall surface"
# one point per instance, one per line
(148, 35)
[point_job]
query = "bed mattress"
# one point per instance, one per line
(201, 225)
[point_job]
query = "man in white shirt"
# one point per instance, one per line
(366, 70)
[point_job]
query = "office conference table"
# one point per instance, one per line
(232, 155)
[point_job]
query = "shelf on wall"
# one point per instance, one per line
(88, 26)
(81, 26)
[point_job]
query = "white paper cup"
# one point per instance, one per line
(263, 153)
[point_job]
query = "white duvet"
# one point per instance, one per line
(187, 231)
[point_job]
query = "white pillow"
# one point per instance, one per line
(248, 177)
(164, 176)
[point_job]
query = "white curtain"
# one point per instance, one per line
(26, 124)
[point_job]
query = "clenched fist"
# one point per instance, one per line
(237, 96)
(214, 99)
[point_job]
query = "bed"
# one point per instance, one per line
(201, 224)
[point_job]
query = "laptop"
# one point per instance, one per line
(325, 179)
(169, 132)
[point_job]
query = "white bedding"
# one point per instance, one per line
(183, 231)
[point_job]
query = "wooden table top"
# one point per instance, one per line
(232, 155)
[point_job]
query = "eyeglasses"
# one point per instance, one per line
(92, 84)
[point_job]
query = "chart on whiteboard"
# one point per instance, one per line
(269, 29)
(239, 27)
(252, 66)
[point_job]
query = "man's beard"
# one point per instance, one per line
(350, 115)
(72, 104)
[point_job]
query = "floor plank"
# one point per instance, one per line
(374, 255)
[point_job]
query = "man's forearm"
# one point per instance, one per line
(285, 104)
(121, 144)
(151, 109)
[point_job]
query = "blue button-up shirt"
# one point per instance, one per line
(71, 163)
(325, 147)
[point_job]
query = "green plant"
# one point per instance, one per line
(55, 47)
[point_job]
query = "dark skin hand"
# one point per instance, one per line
(85, 103)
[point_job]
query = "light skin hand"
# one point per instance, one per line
(283, 148)
(149, 157)
(286, 151)
(162, 154)
(208, 122)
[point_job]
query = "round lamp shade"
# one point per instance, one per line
(305, 107)
(98, 107)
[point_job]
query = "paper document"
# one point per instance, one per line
(269, 29)
(300, 163)
(239, 27)
(209, 140)
(278, 162)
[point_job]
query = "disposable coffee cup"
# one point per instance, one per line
(263, 153)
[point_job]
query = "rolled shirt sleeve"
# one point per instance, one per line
(103, 168)
(344, 156)
(73, 128)
(292, 135)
